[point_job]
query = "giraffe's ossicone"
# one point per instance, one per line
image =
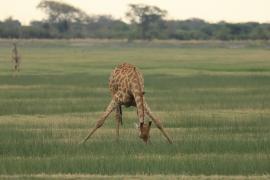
(126, 85)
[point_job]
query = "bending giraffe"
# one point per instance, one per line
(127, 88)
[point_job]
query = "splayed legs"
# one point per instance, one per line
(157, 122)
(113, 104)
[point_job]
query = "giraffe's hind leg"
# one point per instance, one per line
(113, 104)
(157, 122)
(118, 118)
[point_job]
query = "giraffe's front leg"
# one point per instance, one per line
(157, 122)
(113, 104)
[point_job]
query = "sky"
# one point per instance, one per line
(209, 10)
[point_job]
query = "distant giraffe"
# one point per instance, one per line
(127, 88)
(15, 57)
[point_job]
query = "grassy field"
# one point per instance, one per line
(212, 97)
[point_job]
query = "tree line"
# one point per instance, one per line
(144, 22)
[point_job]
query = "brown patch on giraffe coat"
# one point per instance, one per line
(136, 86)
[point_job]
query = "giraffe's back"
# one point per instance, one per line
(124, 78)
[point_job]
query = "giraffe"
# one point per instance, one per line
(126, 85)
(15, 57)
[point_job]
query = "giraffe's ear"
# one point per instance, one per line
(149, 127)
(136, 125)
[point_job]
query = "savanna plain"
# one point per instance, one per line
(212, 97)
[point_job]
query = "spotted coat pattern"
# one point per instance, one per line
(127, 87)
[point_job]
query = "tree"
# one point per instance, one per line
(148, 20)
(59, 12)
(61, 15)
(10, 28)
(223, 32)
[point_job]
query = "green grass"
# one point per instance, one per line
(214, 101)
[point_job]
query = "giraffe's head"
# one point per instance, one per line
(144, 131)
